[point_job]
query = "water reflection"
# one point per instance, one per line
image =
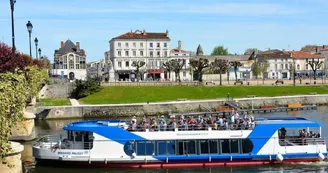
(45, 127)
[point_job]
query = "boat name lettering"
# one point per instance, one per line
(73, 152)
(191, 134)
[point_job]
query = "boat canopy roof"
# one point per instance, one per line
(287, 122)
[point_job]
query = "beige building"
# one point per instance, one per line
(70, 61)
(152, 48)
(281, 63)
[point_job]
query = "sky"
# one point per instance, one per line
(236, 24)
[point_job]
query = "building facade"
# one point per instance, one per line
(179, 53)
(282, 62)
(96, 69)
(70, 61)
(152, 48)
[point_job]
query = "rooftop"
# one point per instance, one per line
(69, 46)
(144, 35)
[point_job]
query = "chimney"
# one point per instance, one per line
(144, 32)
(316, 49)
(179, 45)
(77, 46)
(167, 33)
(62, 44)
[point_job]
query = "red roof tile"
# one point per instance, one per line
(301, 54)
(143, 35)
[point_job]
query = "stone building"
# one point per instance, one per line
(179, 53)
(70, 61)
(152, 48)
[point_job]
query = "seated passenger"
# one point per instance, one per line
(215, 126)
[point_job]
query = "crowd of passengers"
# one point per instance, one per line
(234, 122)
(304, 134)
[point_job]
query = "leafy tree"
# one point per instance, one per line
(256, 70)
(46, 62)
(198, 65)
(18, 81)
(177, 65)
(138, 65)
(235, 65)
(315, 65)
(85, 88)
(220, 50)
(219, 66)
(168, 67)
(264, 65)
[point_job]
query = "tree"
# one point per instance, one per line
(315, 65)
(85, 88)
(20, 78)
(264, 65)
(219, 66)
(198, 65)
(138, 65)
(256, 70)
(168, 67)
(177, 65)
(220, 50)
(46, 62)
(235, 65)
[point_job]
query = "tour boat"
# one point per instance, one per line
(273, 140)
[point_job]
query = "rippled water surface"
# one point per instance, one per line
(320, 115)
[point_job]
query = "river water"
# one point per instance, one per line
(44, 127)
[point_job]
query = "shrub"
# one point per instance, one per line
(85, 88)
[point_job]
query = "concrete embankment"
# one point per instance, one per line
(139, 109)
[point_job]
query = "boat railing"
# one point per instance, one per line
(206, 127)
(302, 141)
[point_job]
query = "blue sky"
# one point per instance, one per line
(236, 24)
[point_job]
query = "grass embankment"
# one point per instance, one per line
(136, 94)
(54, 102)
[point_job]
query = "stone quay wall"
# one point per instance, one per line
(154, 109)
(14, 162)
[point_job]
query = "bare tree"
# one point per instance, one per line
(198, 65)
(168, 67)
(264, 65)
(138, 65)
(177, 65)
(315, 65)
(235, 65)
(219, 66)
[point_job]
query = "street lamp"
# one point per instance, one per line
(39, 52)
(12, 4)
(29, 27)
(36, 41)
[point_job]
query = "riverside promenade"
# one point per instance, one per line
(159, 108)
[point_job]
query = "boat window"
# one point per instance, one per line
(187, 147)
(161, 148)
(129, 148)
(225, 146)
(145, 148)
(213, 146)
(247, 145)
(204, 149)
(234, 145)
(171, 148)
(78, 136)
(70, 136)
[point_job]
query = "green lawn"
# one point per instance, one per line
(136, 94)
(54, 102)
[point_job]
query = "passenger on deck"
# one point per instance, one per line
(153, 124)
(282, 133)
(172, 125)
(133, 125)
(209, 121)
(181, 123)
(162, 123)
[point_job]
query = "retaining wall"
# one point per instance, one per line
(120, 110)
